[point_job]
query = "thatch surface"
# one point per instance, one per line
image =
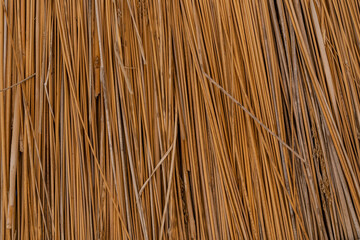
(180, 119)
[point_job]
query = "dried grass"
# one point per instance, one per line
(180, 119)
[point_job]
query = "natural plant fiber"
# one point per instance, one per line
(180, 119)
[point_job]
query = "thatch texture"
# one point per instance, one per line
(180, 119)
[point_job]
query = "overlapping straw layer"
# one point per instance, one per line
(180, 119)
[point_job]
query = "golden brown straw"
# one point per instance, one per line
(179, 119)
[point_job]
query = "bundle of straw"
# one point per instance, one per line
(180, 119)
